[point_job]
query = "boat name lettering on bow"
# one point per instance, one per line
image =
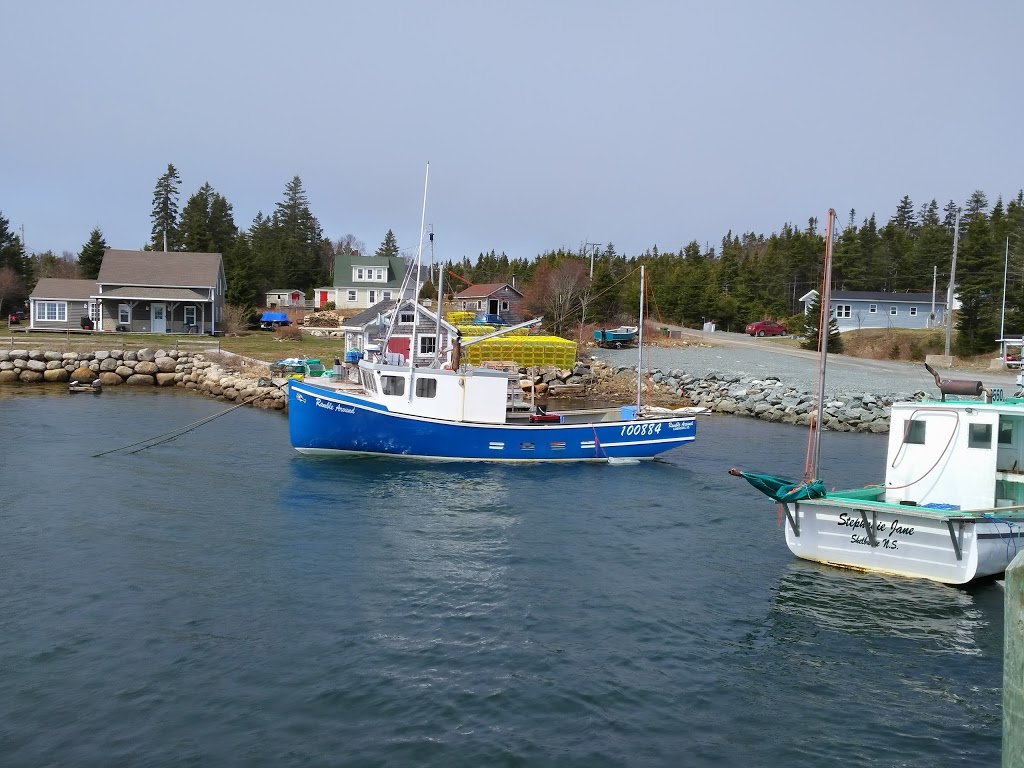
(642, 429)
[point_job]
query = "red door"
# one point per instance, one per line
(323, 298)
(399, 344)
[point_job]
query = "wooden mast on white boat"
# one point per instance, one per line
(416, 289)
(812, 472)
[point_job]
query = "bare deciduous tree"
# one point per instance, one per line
(558, 294)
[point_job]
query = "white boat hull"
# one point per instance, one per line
(898, 541)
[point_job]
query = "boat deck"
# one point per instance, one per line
(867, 499)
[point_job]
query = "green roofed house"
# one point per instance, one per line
(362, 281)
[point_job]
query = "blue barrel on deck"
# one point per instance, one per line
(352, 356)
(627, 412)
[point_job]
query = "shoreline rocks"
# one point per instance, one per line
(144, 367)
(767, 398)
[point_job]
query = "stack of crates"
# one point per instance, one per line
(458, 316)
(470, 329)
(528, 351)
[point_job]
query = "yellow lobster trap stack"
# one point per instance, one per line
(528, 351)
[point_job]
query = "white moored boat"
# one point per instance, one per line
(951, 505)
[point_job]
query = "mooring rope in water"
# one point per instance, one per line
(166, 437)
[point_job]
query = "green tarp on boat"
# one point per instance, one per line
(780, 489)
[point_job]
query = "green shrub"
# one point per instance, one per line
(330, 306)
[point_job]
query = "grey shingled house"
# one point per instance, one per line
(137, 291)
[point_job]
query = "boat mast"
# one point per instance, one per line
(824, 323)
(952, 282)
(640, 343)
(416, 287)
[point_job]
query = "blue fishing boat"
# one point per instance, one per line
(623, 336)
(463, 415)
(432, 406)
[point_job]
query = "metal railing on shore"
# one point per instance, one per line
(79, 341)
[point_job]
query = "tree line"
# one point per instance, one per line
(747, 277)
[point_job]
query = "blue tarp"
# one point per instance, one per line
(274, 317)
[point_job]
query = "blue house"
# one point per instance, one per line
(857, 310)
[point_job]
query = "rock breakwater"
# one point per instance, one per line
(146, 368)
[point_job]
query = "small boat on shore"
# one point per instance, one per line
(95, 386)
(951, 506)
(623, 336)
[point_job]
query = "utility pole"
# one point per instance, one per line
(593, 248)
(935, 277)
(952, 281)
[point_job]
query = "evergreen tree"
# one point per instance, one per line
(812, 324)
(979, 277)
(244, 286)
(194, 227)
(91, 256)
(12, 252)
(165, 212)
(300, 239)
(905, 218)
(389, 247)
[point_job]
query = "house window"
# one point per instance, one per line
(872, 308)
(428, 345)
(844, 310)
(479, 305)
(52, 310)
(351, 296)
(359, 273)
(386, 295)
(504, 306)
(892, 311)
(392, 385)
(426, 387)
(190, 316)
(371, 296)
(913, 311)
(979, 436)
(124, 314)
(407, 318)
(914, 431)
(378, 275)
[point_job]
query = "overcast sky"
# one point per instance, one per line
(546, 124)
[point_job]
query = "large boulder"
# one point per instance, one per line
(140, 380)
(56, 374)
(110, 379)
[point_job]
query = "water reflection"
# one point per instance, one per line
(811, 599)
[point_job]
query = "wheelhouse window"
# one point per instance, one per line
(124, 314)
(914, 431)
(426, 387)
(872, 308)
(428, 345)
(1006, 433)
(979, 436)
(392, 385)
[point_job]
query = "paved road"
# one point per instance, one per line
(760, 357)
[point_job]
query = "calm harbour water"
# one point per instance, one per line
(220, 600)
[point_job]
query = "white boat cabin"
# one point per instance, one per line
(478, 395)
(965, 454)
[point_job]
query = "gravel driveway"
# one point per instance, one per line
(741, 355)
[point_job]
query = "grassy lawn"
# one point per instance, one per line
(261, 345)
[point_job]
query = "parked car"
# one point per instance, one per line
(15, 318)
(765, 328)
(483, 318)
